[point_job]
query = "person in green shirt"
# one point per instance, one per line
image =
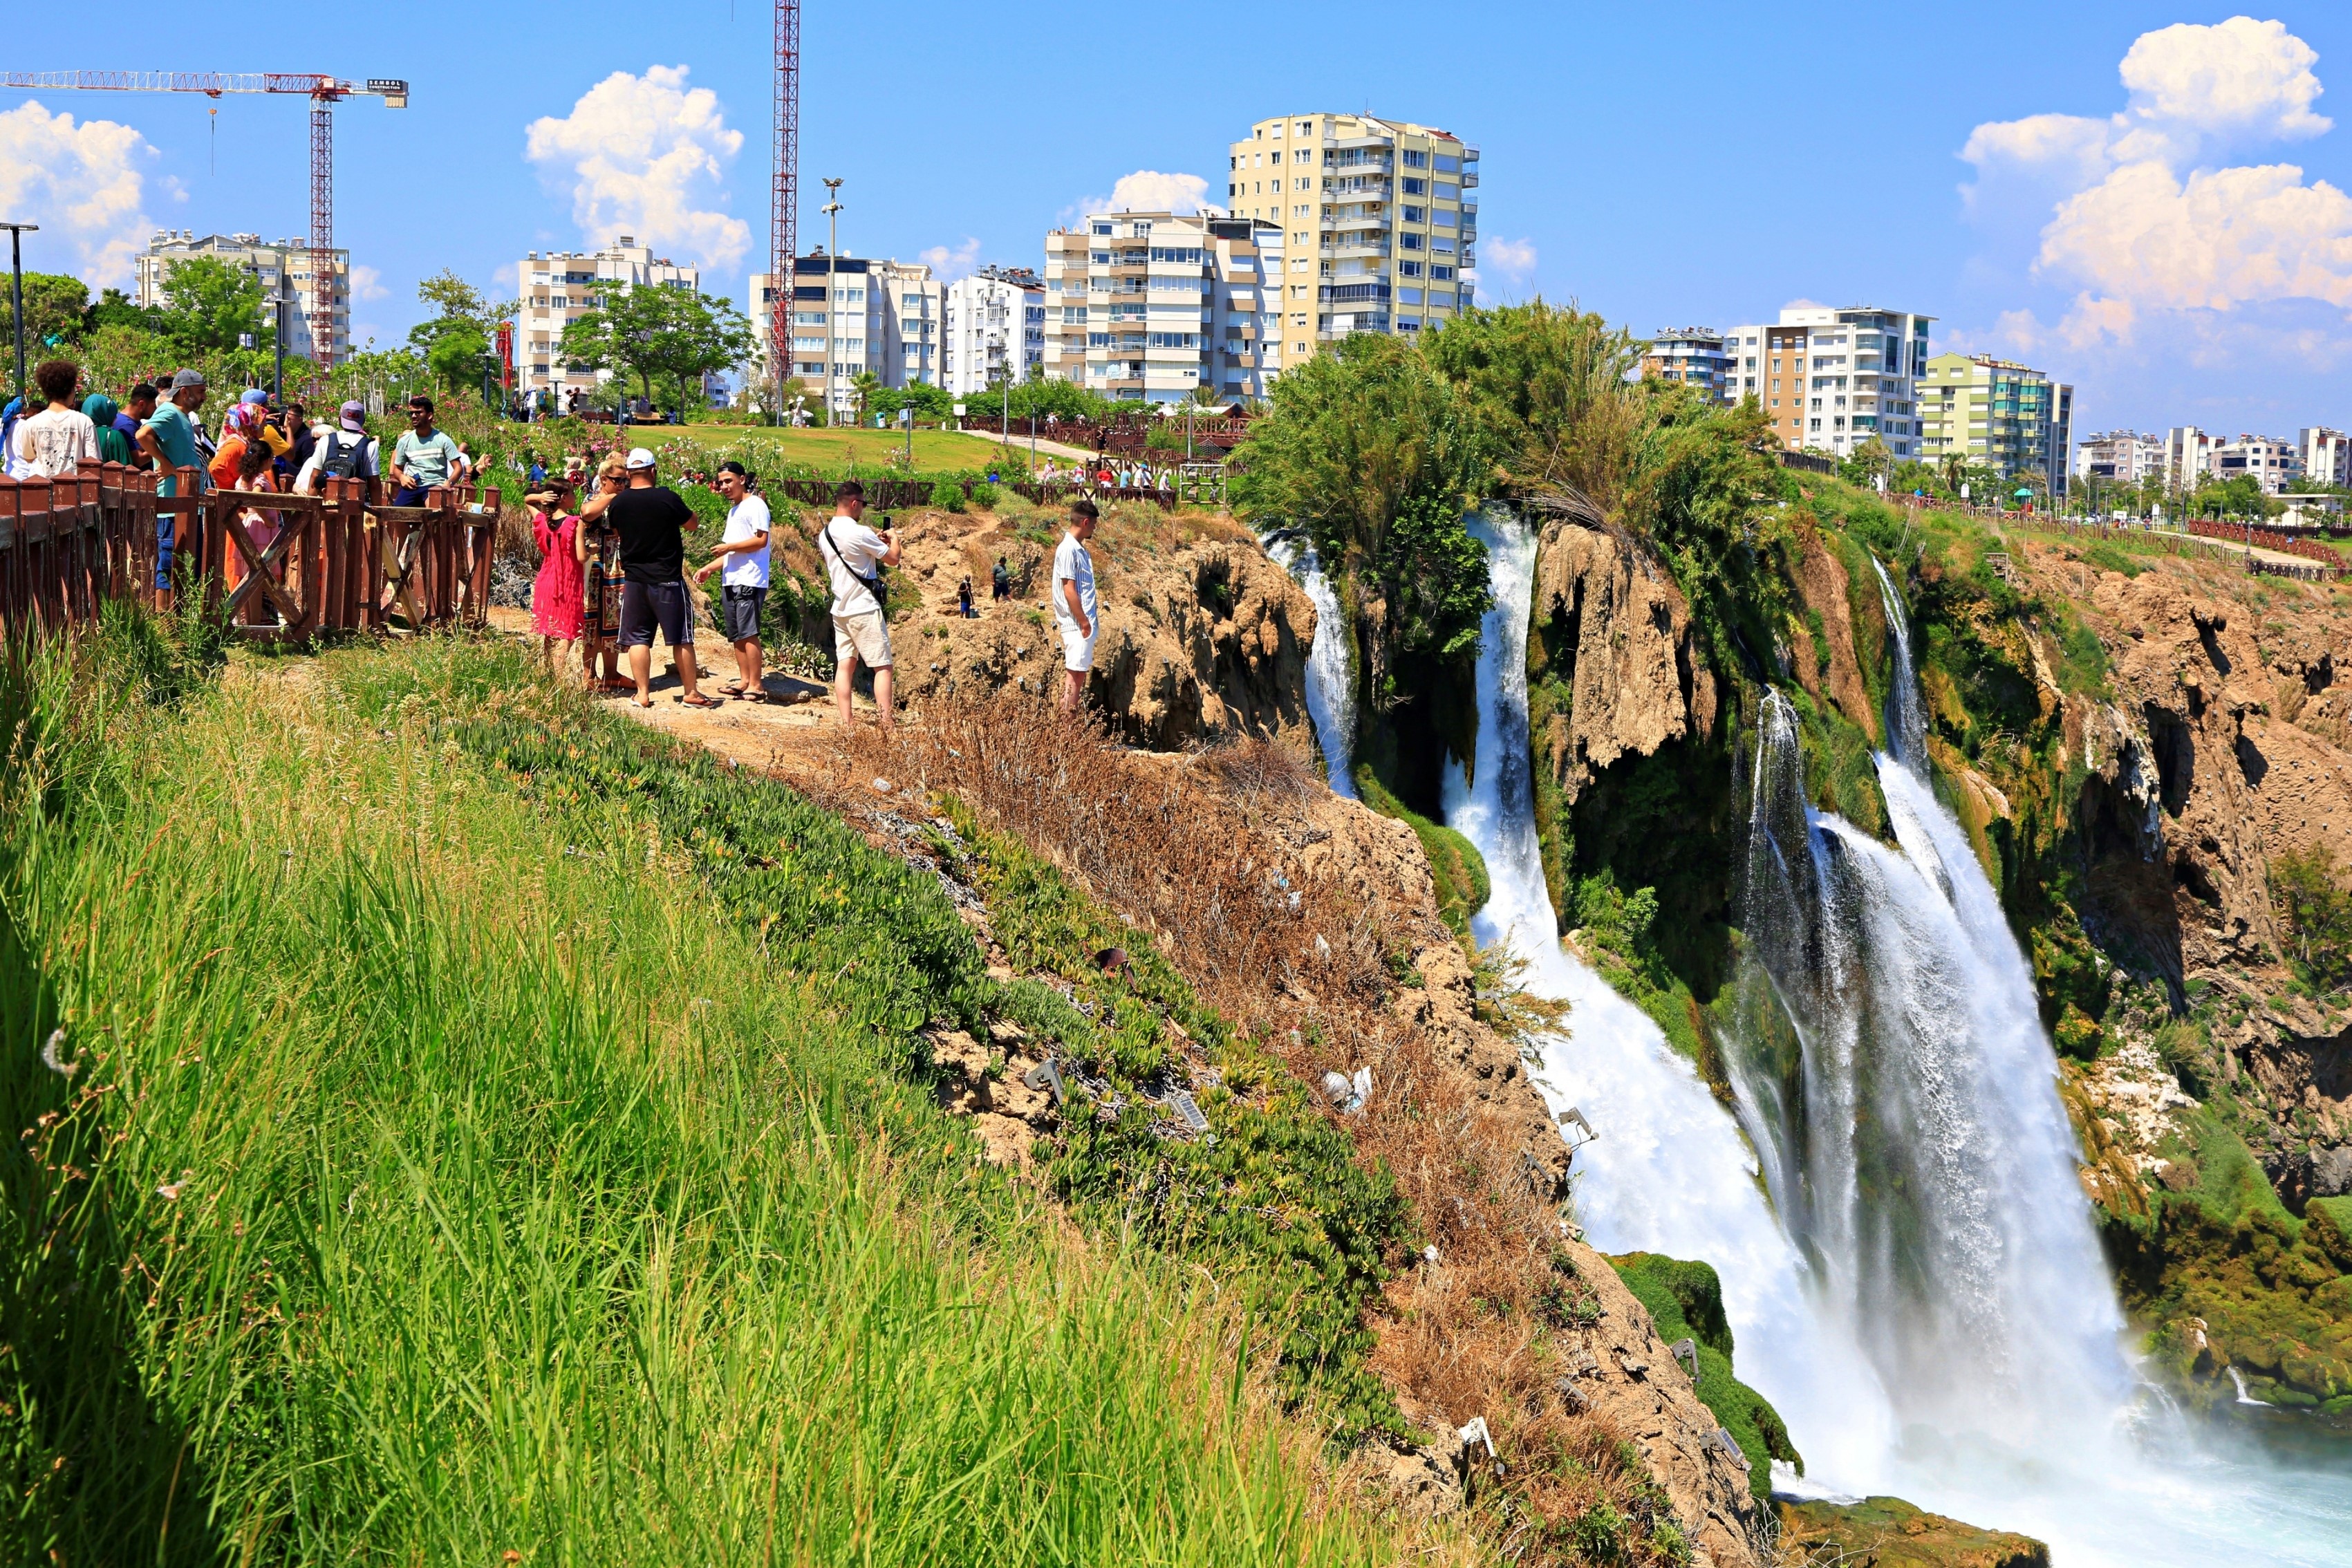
(113, 445)
(169, 437)
(424, 457)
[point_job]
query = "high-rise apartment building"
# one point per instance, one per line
(995, 329)
(1696, 356)
(1152, 305)
(1829, 380)
(887, 320)
(279, 264)
(2326, 455)
(2187, 457)
(1381, 221)
(2002, 415)
(559, 287)
(2123, 457)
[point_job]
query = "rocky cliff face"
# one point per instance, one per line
(1203, 636)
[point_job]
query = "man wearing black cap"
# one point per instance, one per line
(650, 518)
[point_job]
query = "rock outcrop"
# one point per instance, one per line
(1203, 636)
(1610, 622)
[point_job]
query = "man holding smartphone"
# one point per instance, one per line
(854, 557)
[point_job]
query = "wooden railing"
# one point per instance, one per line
(283, 567)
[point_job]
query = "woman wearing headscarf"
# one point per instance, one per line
(113, 445)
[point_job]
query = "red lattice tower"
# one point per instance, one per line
(784, 217)
(322, 229)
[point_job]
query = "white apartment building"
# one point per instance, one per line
(887, 320)
(1381, 219)
(559, 287)
(2188, 456)
(1152, 305)
(2274, 464)
(279, 264)
(1696, 356)
(995, 329)
(1829, 380)
(2326, 455)
(2121, 456)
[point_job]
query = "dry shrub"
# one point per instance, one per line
(1154, 837)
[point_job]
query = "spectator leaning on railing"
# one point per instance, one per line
(52, 442)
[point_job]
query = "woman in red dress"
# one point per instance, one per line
(556, 593)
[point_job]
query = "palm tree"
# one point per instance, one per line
(866, 384)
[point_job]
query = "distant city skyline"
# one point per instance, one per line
(2147, 203)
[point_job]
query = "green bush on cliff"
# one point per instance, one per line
(1686, 1300)
(2309, 892)
(1455, 867)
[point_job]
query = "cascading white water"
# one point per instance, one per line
(1330, 684)
(1933, 1320)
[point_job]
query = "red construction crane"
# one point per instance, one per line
(784, 219)
(323, 91)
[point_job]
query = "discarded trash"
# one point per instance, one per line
(1348, 1095)
(1113, 961)
(1574, 1118)
(1429, 1254)
(1190, 1109)
(1044, 1076)
(1476, 1434)
(882, 785)
(50, 1054)
(1729, 1444)
(1322, 948)
(1685, 1351)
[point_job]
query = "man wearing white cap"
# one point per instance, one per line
(650, 518)
(345, 452)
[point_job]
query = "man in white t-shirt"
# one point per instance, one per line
(744, 591)
(1074, 602)
(51, 444)
(855, 556)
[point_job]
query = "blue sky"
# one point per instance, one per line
(2135, 222)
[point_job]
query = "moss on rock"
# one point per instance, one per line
(1686, 1300)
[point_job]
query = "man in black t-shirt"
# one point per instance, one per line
(649, 518)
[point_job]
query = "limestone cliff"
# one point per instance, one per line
(1203, 637)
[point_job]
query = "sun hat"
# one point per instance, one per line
(253, 395)
(355, 417)
(639, 458)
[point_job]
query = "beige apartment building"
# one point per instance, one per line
(1381, 220)
(559, 287)
(1829, 380)
(1700, 357)
(1152, 307)
(887, 320)
(279, 264)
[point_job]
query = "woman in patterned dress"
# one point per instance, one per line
(597, 547)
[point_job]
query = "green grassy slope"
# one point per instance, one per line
(456, 1166)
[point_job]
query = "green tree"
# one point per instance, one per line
(666, 338)
(928, 402)
(2319, 913)
(53, 313)
(208, 303)
(456, 344)
(115, 308)
(1867, 463)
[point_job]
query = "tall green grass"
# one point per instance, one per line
(439, 1179)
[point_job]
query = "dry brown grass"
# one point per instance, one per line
(1172, 844)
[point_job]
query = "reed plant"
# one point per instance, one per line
(413, 1173)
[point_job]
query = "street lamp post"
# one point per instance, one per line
(832, 255)
(16, 290)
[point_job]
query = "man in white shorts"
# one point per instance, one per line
(1074, 602)
(855, 556)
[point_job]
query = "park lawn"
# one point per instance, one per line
(936, 451)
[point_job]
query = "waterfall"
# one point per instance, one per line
(1921, 1296)
(1330, 683)
(1907, 727)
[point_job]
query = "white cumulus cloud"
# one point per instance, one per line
(367, 283)
(1149, 190)
(84, 184)
(1506, 261)
(643, 155)
(2140, 217)
(950, 265)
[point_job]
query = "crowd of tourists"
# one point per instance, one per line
(613, 574)
(260, 445)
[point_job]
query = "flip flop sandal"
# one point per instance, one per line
(731, 688)
(697, 701)
(748, 695)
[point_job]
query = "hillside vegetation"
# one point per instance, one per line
(429, 1160)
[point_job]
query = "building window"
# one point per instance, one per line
(1416, 160)
(1417, 215)
(1409, 268)
(1410, 241)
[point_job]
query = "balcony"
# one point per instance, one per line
(1469, 177)
(1364, 244)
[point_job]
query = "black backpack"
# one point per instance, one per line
(344, 462)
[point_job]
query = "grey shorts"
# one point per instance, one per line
(646, 605)
(740, 608)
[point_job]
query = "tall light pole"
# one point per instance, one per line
(16, 291)
(832, 253)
